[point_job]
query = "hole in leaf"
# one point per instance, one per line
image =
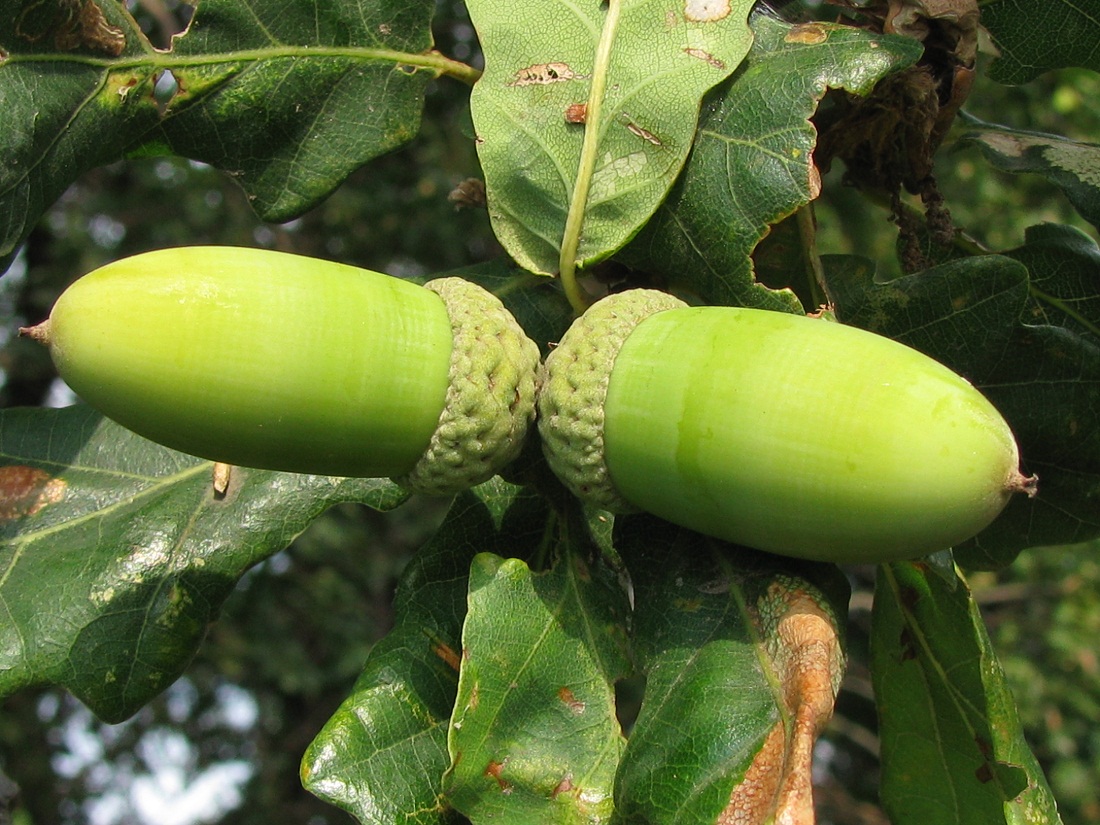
(166, 88)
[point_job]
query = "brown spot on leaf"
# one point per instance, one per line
(565, 786)
(71, 24)
(542, 74)
(807, 34)
(576, 113)
(570, 700)
(753, 798)
(445, 652)
(25, 490)
(122, 85)
(909, 596)
(985, 746)
(987, 771)
(807, 654)
(687, 605)
(706, 57)
(706, 11)
(814, 183)
(638, 131)
(496, 771)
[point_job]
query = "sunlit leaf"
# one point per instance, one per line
(752, 164)
(1072, 165)
(733, 699)
(534, 737)
(586, 112)
(382, 755)
(135, 547)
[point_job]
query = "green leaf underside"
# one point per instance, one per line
(1033, 38)
(752, 163)
(947, 720)
(993, 319)
(287, 99)
(641, 68)
(1071, 165)
(382, 755)
(534, 736)
(711, 693)
(135, 549)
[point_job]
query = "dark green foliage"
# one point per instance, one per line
(338, 128)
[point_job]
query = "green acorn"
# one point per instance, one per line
(283, 362)
(780, 432)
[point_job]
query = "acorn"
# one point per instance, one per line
(283, 362)
(780, 432)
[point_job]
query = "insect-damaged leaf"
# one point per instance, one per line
(1072, 165)
(752, 163)
(382, 755)
(534, 736)
(587, 110)
(743, 655)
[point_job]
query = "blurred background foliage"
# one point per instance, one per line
(223, 744)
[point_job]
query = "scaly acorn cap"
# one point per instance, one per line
(574, 389)
(490, 404)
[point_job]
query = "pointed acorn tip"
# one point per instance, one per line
(1019, 483)
(39, 332)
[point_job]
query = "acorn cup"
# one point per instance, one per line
(785, 433)
(276, 361)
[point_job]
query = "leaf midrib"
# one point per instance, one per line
(431, 60)
(23, 540)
